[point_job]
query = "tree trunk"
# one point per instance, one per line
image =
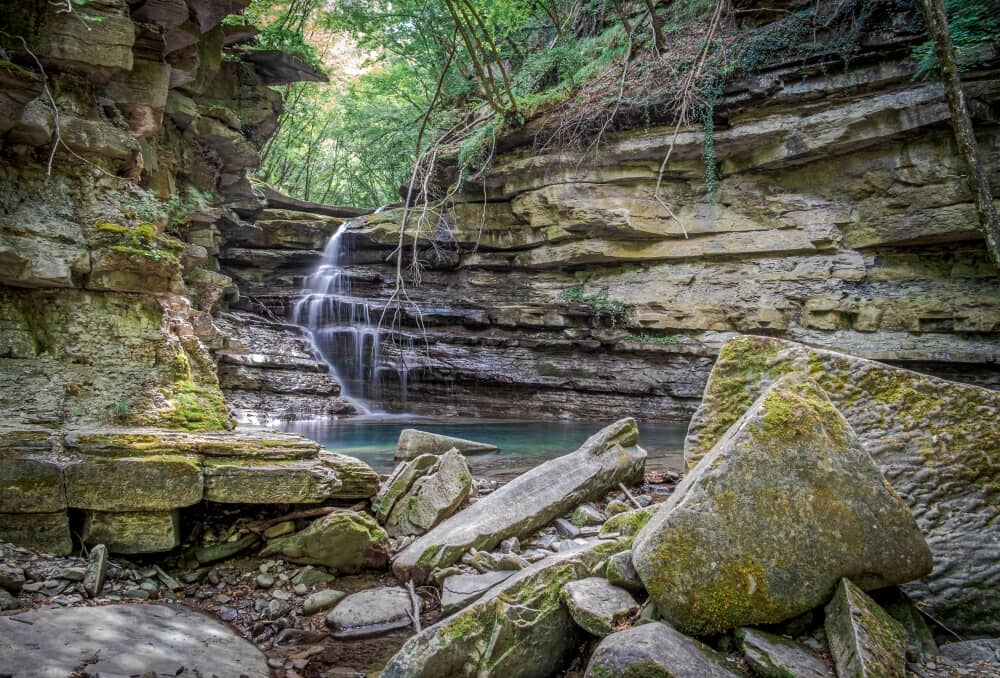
(937, 26)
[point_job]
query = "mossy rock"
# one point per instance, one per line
(149, 483)
(344, 541)
(763, 529)
(48, 532)
(133, 531)
(864, 640)
(656, 650)
(936, 441)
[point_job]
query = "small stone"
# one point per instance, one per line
(280, 530)
(265, 581)
(371, 612)
(222, 598)
(643, 500)
(96, 572)
(510, 545)
(321, 600)
(597, 606)
(566, 528)
(213, 577)
(616, 506)
(136, 593)
(8, 601)
(166, 579)
(620, 572)
(545, 541)
(587, 514)
(300, 589)
(275, 608)
(227, 614)
(510, 561)
(11, 577)
(282, 595)
(33, 587)
(148, 585)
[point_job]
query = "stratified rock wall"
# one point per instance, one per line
(841, 219)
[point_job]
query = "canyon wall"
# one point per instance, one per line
(841, 219)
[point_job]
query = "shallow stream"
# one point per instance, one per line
(523, 444)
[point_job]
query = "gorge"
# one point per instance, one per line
(728, 252)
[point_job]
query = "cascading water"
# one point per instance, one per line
(344, 328)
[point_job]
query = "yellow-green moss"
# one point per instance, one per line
(466, 625)
(192, 407)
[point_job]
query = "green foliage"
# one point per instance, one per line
(146, 207)
(600, 301)
(652, 339)
(119, 412)
(972, 23)
(142, 239)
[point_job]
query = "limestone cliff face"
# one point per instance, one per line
(841, 219)
(107, 279)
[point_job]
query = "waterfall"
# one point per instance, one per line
(344, 328)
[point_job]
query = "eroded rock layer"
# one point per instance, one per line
(841, 219)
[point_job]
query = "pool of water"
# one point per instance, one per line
(523, 444)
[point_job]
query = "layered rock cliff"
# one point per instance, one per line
(841, 219)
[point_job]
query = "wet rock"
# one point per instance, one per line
(772, 656)
(126, 640)
(596, 605)
(413, 443)
(587, 514)
(434, 489)
(656, 649)
(529, 501)
(371, 612)
(620, 572)
(344, 541)
(864, 640)
(534, 631)
(764, 527)
(321, 600)
(458, 591)
(926, 434)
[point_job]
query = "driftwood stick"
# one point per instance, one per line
(629, 495)
(415, 601)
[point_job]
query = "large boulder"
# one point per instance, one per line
(413, 443)
(530, 501)
(518, 629)
(656, 649)
(864, 640)
(423, 492)
(762, 530)
(936, 441)
(344, 541)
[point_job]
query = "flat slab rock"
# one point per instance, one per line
(656, 649)
(413, 442)
(596, 605)
(864, 640)
(128, 640)
(368, 613)
(772, 656)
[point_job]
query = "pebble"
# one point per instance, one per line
(281, 595)
(227, 614)
(137, 594)
(265, 581)
(300, 589)
(321, 600)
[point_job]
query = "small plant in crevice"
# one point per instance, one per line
(119, 412)
(708, 153)
(600, 301)
(652, 339)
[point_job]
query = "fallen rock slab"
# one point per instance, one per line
(97, 570)
(864, 640)
(529, 501)
(934, 440)
(980, 650)
(656, 649)
(344, 541)
(518, 629)
(772, 656)
(372, 612)
(412, 443)
(126, 640)
(596, 605)
(763, 529)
